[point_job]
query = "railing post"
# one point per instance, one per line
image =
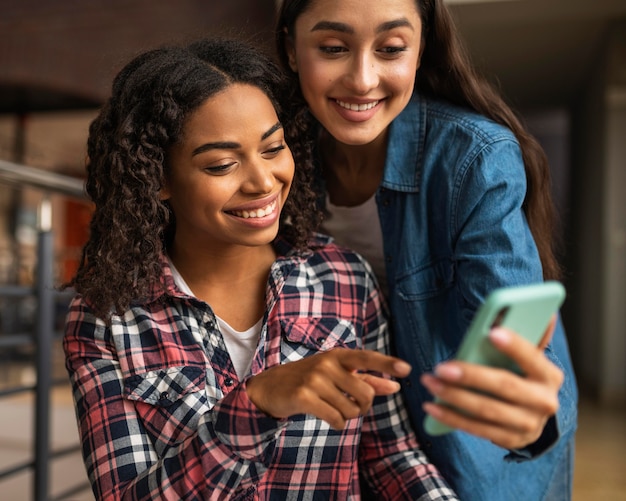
(43, 359)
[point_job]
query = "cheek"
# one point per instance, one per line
(315, 88)
(402, 81)
(307, 84)
(285, 175)
(312, 74)
(403, 75)
(289, 172)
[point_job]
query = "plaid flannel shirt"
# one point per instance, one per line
(163, 415)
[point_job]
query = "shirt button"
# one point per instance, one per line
(320, 340)
(228, 382)
(164, 396)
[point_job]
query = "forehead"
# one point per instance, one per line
(237, 109)
(359, 12)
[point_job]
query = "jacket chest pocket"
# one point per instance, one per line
(427, 307)
(306, 336)
(169, 402)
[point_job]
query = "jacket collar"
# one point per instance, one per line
(403, 166)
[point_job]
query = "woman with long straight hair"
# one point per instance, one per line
(425, 171)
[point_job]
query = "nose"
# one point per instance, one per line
(259, 177)
(363, 74)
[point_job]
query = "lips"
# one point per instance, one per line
(256, 213)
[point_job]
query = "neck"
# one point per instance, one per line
(233, 283)
(206, 267)
(352, 173)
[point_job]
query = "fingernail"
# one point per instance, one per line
(448, 371)
(500, 336)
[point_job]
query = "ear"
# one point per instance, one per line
(291, 52)
(164, 193)
(421, 53)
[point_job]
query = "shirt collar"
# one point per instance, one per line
(287, 258)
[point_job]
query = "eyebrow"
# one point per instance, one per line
(229, 145)
(271, 130)
(402, 22)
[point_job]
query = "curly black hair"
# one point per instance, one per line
(128, 143)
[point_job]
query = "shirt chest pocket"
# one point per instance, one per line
(169, 402)
(306, 336)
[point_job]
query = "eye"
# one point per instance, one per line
(392, 50)
(332, 50)
(274, 150)
(220, 170)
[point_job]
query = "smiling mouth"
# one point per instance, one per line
(256, 213)
(357, 107)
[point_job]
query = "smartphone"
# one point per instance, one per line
(525, 309)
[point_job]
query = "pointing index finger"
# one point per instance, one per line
(368, 360)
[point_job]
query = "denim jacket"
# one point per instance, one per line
(450, 207)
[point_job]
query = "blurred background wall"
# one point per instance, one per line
(560, 63)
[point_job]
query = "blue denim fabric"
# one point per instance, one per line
(561, 484)
(450, 206)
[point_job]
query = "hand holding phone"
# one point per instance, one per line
(526, 310)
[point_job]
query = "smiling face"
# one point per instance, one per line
(356, 61)
(230, 173)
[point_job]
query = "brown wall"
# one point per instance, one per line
(74, 47)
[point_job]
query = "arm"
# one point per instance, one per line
(208, 451)
(493, 247)
(391, 460)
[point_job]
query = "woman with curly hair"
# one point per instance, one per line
(218, 348)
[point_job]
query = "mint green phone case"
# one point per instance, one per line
(525, 309)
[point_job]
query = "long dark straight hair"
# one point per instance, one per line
(446, 73)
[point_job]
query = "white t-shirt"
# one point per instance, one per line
(240, 345)
(358, 228)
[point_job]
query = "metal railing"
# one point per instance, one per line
(43, 331)
(51, 182)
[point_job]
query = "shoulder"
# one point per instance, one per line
(444, 116)
(80, 316)
(325, 250)
(434, 141)
(162, 314)
(329, 280)
(324, 261)
(463, 142)
(440, 128)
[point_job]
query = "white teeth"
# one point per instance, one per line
(357, 107)
(262, 212)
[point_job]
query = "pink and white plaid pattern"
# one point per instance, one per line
(162, 414)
